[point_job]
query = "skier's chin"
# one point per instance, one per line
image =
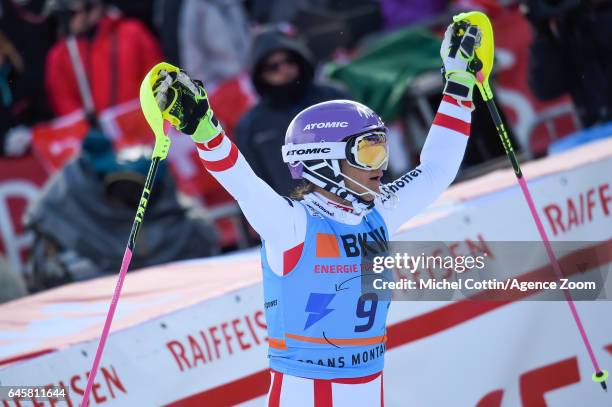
(370, 197)
(372, 184)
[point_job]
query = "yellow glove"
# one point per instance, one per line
(184, 103)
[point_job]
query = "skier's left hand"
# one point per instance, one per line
(458, 52)
(184, 103)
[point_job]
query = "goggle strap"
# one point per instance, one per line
(313, 170)
(315, 180)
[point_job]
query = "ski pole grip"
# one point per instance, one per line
(485, 53)
(151, 110)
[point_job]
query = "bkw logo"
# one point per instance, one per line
(353, 244)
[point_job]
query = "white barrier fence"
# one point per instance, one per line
(212, 349)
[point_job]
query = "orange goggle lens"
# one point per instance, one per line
(371, 150)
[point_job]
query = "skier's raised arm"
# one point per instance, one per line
(185, 103)
(443, 151)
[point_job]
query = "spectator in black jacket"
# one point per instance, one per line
(282, 74)
(572, 52)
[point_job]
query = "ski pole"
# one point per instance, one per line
(485, 63)
(160, 151)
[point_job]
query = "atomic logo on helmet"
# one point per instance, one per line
(325, 125)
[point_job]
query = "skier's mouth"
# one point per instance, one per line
(375, 178)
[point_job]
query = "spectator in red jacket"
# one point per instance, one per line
(115, 52)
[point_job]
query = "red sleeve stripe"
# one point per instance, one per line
(212, 144)
(452, 123)
(223, 164)
(219, 152)
(454, 110)
(452, 100)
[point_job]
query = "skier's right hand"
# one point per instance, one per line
(184, 104)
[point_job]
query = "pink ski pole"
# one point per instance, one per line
(162, 145)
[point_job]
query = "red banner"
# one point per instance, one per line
(20, 180)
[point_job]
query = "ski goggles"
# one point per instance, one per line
(367, 151)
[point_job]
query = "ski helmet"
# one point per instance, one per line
(323, 134)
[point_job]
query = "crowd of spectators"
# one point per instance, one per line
(61, 56)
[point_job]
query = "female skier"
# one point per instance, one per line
(326, 338)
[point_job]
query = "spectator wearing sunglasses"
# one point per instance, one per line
(282, 72)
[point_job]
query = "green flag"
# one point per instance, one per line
(382, 72)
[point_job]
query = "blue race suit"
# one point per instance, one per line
(320, 324)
